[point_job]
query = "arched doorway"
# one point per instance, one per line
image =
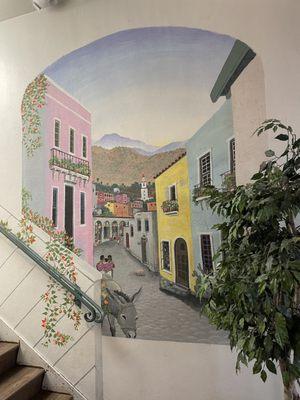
(181, 262)
(114, 229)
(121, 228)
(106, 230)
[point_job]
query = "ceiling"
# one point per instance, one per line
(14, 8)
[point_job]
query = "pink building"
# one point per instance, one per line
(58, 174)
(122, 198)
(103, 197)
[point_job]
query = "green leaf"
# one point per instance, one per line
(261, 326)
(268, 343)
(296, 144)
(281, 333)
(269, 153)
(296, 275)
(257, 367)
(257, 176)
(271, 366)
(282, 136)
(263, 375)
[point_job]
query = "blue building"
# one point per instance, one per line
(211, 161)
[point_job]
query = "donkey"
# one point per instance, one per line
(119, 306)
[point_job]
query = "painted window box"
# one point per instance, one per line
(199, 192)
(73, 167)
(170, 207)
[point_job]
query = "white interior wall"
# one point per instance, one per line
(152, 370)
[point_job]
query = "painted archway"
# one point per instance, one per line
(145, 96)
(181, 262)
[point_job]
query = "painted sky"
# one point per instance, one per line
(151, 84)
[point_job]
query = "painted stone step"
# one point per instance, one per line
(21, 383)
(8, 356)
(44, 395)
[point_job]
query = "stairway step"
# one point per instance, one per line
(44, 395)
(21, 383)
(8, 355)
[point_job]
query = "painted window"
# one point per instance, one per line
(72, 138)
(205, 170)
(146, 225)
(139, 225)
(206, 253)
(232, 155)
(172, 192)
(54, 206)
(131, 231)
(84, 147)
(56, 133)
(165, 251)
(82, 208)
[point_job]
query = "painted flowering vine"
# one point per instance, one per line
(58, 301)
(33, 102)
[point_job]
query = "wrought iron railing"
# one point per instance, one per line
(69, 162)
(169, 206)
(95, 313)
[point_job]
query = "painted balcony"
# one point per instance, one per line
(72, 167)
(199, 192)
(170, 206)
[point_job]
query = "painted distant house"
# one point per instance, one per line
(140, 238)
(103, 197)
(122, 198)
(110, 205)
(151, 205)
(175, 245)
(122, 210)
(211, 161)
(61, 166)
(137, 204)
(107, 228)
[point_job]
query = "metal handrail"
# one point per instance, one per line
(95, 313)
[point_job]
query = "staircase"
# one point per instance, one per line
(19, 382)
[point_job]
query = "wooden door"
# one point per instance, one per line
(127, 240)
(182, 263)
(69, 209)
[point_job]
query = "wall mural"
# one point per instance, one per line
(119, 138)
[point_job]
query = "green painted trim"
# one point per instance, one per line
(95, 313)
(239, 57)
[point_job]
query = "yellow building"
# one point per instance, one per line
(111, 206)
(174, 227)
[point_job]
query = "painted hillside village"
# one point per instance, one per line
(134, 202)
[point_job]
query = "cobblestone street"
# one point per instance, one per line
(161, 316)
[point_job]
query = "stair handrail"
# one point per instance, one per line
(95, 313)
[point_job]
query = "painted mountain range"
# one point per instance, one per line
(127, 165)
(113, 140)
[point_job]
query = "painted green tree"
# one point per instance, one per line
(254, 291)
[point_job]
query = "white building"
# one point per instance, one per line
(144, 190)
(140, 238)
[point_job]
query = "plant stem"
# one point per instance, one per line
(290, 389)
